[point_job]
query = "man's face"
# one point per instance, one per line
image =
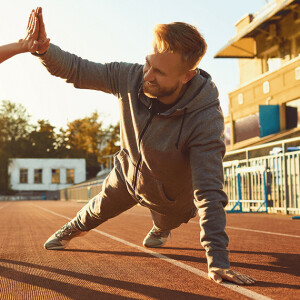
(163, 75)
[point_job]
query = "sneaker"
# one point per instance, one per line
(61, 238)
(156, 237)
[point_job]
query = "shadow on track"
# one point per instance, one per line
(141, 254)
(282, 262)
(73, 291)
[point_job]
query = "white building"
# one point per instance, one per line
(45, 174)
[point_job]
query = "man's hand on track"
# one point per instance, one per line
(218, 275)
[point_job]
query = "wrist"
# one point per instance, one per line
(38, 53)
(21, 47)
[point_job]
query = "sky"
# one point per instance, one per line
(107, 31)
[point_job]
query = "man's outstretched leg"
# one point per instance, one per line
(162, 226)
(110, 202)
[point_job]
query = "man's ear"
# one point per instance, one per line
(188, 76)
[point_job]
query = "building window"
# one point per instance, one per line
(294, 117)
(38, 175)
(23, 175)
(55, 176)
(266, 87)
(70, 175)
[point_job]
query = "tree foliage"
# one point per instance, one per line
(86, 134)
(42, 140)
(14, 128)
(13, 122)
(83, 138)
(112, 143)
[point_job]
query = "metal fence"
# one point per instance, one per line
(265, 183)
(83, 191)
(269, 183)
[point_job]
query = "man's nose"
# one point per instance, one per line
(149, 75)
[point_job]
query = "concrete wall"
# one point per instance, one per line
(46, 164)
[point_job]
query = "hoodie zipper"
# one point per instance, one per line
(139, 144)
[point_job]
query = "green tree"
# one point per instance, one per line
(42, 140)
(14, 129)
(14, 122)
(86, 134)
(112, 142)
(84, 138)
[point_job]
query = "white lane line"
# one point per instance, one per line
(266, 232)
(258, 231)
(231, 286)
(229, 227)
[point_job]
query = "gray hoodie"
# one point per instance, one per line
(169, 161)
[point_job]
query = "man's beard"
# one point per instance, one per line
(156, 91)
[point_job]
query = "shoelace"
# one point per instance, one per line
(65, 230)
(160, 233)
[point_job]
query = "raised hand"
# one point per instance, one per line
(30, 42)
(43, 41)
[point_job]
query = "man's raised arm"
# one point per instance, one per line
(82, 73)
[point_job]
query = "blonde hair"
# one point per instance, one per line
(182, 38)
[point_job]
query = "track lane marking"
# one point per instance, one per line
(258, 231)
(236, 288)
(229, 227)
(266, 232)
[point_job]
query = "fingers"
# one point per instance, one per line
(39, 14)
(232, 276)
(38, 10)
(35, 29)
(246, 279)
(30, 19)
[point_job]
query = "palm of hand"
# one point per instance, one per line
(30, 40)
(43, 41)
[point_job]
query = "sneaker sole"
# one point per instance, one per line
(155, 246)
(55, 246)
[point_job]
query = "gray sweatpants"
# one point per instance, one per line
(115, 199)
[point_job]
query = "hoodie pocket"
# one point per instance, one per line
(148, 188)
(152, 190)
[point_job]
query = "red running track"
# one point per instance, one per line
(110, 263)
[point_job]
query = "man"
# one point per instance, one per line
(172, 146)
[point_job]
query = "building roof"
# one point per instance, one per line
(243, 44)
